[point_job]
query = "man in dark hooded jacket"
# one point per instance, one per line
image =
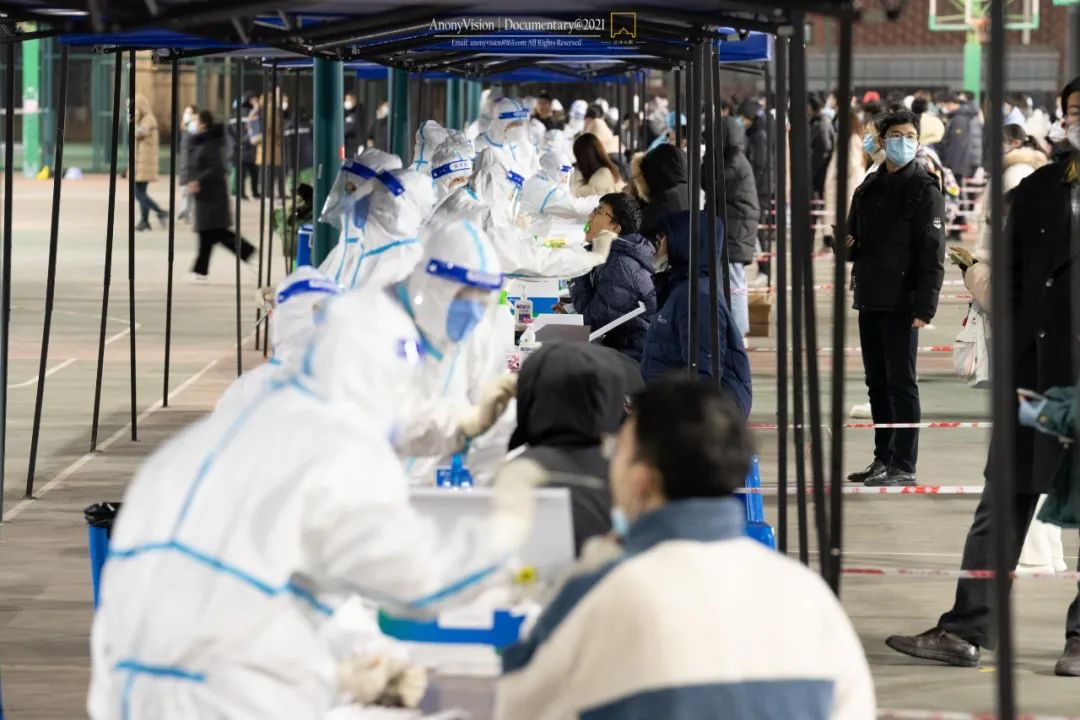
(569, 396)
(615, 288)
(742, 217)
(663, 171)
(961, 149)
(667, 346)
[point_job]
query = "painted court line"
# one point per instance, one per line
(74, 467)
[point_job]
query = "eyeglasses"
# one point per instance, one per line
(599, 210)
(910, 136)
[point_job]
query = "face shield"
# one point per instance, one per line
(449, 291)
(296, 299)
(508, 123)
(354, 182)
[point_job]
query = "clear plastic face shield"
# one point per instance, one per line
(469, 303)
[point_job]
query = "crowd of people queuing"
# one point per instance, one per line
(405, 314)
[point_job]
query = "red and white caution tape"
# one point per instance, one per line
(957, 574)
(855, 349)
(862, 490)
(937, 425)
(884, 714)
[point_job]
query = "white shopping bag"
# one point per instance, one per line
(971, 350)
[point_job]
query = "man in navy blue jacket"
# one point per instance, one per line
(615, 288)
(667, 346)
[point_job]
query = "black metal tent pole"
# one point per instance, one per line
(778, 134)
(714, 203)
(803, 245)
(132, 163)
(678, 107)
(796, 326)
(1003, 445)
(238, 161)
(693, 167)
(296, 161)
(270, 116)
(5, 291)
(836, 453)
(50, 278)
(721, 182)
(641, 112)
(174, 138)
(280, 130)
(110, 224)
(262, 207)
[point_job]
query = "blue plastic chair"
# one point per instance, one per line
(756, 527)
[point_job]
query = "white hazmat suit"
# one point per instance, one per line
(429, 136)
(575, 122)
(491, 200)
(452, 164)
(235, 536)
(546, 196)
(388, 218)
(292, 324)
(355, 182)
(508, 135)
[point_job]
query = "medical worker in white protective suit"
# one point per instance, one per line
(429, 136)
(465, 386)
(239, 536)
(292, 309)
(508, 135)
(389, 218)
(575, 121)
(546, 196)
(491, 199)
(452, 165)
(355, 181)
(487, 110)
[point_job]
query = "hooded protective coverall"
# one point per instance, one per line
(575, 124)
(546, 195)
(429, 136)
(491, 200)
(508, 135)
(292, 324)
(235, 533)
(458, 374)
(355, 182)
(388, 218)
(452, 164)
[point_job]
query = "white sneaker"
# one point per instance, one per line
(194, 277)
(861, 411)
(1060, 566)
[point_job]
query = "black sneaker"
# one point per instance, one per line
(891, 478)
(875, 468)
(939, 645)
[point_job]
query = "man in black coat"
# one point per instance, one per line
(822, 139)
(207, 184)
(356, 131)
(757, 152)
(1044, 228)
(897, 244)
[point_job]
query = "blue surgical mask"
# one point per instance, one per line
(869, 144)
(900, 151)
(462, 317)
(619, 524)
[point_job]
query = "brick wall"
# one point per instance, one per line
(912, 28)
